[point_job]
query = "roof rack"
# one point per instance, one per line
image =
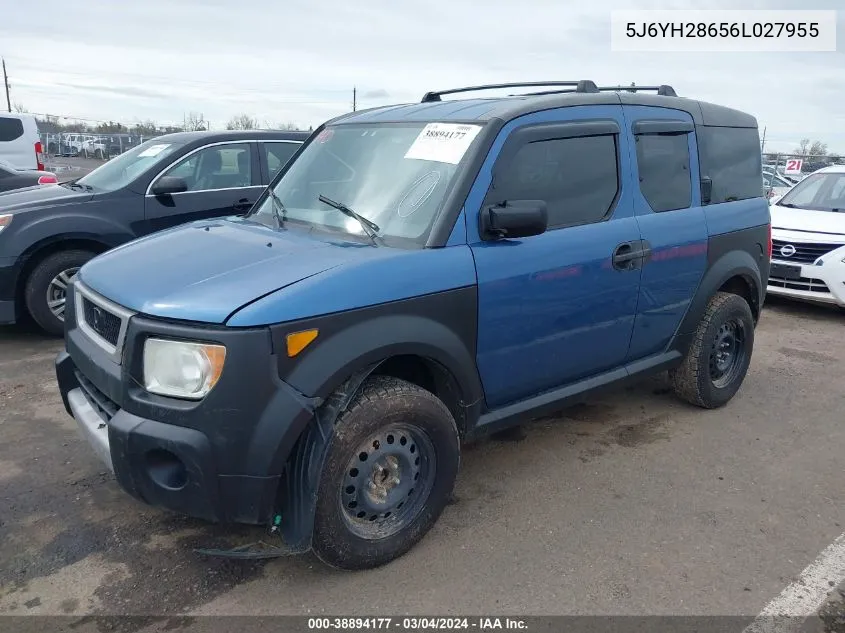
(585, 85)
(663, 90)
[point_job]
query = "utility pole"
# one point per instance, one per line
(763, 140)
(6, 83)
(354, 98)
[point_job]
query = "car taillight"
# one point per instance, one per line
(39, 156)
(48, 180)
(771, 245)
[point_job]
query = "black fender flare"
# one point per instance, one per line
(301, 478)
(732, 264)
(370, 341)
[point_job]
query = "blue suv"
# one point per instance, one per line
(419, 275)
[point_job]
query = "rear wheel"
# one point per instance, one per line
(387, 477)
(718, 359)
(46, 288)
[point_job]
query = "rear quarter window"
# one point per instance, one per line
(731, 158)
(10, 129)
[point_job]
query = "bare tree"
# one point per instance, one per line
(818, 149)
(146, 128)
(287, 126)
(242, 122)
(195, 122)
(803, 146)
(20, 108)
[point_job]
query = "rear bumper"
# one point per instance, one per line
(220, 459)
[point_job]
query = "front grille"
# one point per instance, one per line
(805, 252)
(104, 405)
(801, 283)
(103, 322)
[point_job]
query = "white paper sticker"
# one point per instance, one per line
(154, 150)
(443, 142)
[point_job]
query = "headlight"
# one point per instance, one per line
(181, 369)
(5, 220)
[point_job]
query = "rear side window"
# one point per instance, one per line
(277, 154)
(663, 165)
(10, 129)
(731, 158)
(577, 177)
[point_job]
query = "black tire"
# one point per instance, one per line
(38, 284)
(383, 405)
(698, 379)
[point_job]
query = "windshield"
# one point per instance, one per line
(394, 175)
(123, 169)
(819, 192)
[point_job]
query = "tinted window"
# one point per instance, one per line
(277, 154)
(731, 158)
(577, 177)
(663, 165)
(10, 129)
(216, 167)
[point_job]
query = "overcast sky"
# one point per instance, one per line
(297, 60)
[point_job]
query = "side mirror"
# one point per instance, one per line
(169, 184)
(514, 218)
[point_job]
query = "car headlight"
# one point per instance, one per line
(5, 220)
(181, 369)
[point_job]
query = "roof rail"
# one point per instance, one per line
(663, 90)
(585, 85)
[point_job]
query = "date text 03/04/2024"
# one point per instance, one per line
(417, 623)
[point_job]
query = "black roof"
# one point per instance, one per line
(480, 110)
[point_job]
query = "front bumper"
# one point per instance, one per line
(8, 279)
(818, 284)
(220, 459)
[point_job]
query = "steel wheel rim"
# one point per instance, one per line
(387, 481)
(727, 353)
(57, 292)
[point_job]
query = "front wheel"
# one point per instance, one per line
(388, 475)
(46, 288)
(720, 354)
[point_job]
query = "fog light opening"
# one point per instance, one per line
(166, 470)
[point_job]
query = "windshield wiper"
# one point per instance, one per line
(72, 184)
(371, 228)
(789, 205)
(279, 211)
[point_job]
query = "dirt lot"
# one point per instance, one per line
(631, 504)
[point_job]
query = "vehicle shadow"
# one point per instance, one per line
(803, 309)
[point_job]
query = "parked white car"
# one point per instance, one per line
(20, 144)
(808, 236)
(775, 185)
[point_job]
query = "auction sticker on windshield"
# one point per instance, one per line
(443, 142)
(154, 150)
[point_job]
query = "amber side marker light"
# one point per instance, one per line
(298, 341)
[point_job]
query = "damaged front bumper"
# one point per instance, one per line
(219, 459)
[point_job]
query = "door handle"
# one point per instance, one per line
(242, 205)
(626, 256)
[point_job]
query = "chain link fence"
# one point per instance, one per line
(88, 145)
(781, 170)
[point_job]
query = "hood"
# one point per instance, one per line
(828, 225)
(41, 196)
(205, 271)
